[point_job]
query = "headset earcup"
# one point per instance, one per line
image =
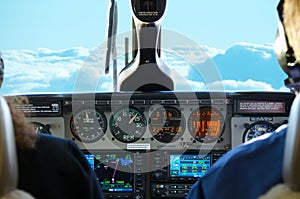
(281, 48)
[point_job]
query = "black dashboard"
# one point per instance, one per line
(156, 144)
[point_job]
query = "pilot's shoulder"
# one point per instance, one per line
(54, 143)
(278, 134)
(260, 146)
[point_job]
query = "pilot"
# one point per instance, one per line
(252, 169)
(50, 167)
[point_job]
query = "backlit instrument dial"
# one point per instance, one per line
(88, 125)
(167, 124)
(206, 124)
(128, 124)
(257, 129)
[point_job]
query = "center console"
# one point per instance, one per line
(122, 174)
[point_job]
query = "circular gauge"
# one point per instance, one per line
(257, 129)
(206, 124)
(128, 124)
(41, 128)
(88, 125)
(167, 124)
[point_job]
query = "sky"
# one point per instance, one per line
(48, 46)
(58, 24)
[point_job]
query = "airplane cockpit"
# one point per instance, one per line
(150, 108)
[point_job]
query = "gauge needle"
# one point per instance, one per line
(131, 120)
(87, 116)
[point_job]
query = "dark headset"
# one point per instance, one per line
(285, 54)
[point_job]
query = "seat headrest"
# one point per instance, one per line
(17, 194)
(291, 160)
(280, 191)
(8, 155)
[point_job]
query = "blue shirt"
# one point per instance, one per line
(245, 172)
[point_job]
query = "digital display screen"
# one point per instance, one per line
(189, 165)
(90, 159)
(167, 124)
(206, 124)
(114, 171)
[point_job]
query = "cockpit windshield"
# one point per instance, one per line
(59, 46)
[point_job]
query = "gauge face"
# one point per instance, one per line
(257, 129)
(206, 124)
(88, 125)
(167, 124)
(128, 124)
(41, 128)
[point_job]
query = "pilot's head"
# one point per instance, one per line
(291, 13)
(287, 43)
(1, 70)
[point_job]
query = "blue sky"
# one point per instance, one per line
(46, 44)
(57, 24)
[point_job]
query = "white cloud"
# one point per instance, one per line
(263, 49)
(228, 85)
(191, 85)
(71, 52)
(211, 51)
(83, 69)
(26, 87)
(249, 85)
(105, 86)
(253, 45)
(284, 89)
(190, 54)
(31, 70)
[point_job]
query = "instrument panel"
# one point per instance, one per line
(156, 145)
(148, 122)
